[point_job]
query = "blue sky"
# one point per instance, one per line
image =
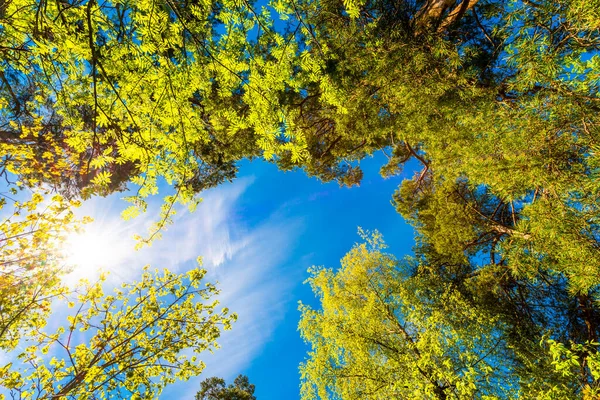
(257, 236)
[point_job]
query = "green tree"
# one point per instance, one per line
(128, 344)
(424, 78)
(380, 80)
(405, 329)
(100, 95)
(215, 389)
(108, 93)
(74, 115)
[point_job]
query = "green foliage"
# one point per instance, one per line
(137, 92)
(496, 99)
(383, 333)
(32, 231)
(130, 343)
(505, 206)
(411, 329)
(215, 389)
(125, 92)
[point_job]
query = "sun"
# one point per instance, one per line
(93, 249)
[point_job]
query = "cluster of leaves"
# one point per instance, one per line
(386, 331)
(128, 344)
(406, 329)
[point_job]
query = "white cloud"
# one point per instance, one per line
(205, 232)
(250, 265)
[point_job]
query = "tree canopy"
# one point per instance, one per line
(215, 389)
(496, 100)
(412, 329)
(386, 333)
(127, 345)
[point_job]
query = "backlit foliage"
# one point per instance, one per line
(386, 330)
(127, 344)
(496, 100)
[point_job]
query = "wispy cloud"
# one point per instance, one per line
(249, 262)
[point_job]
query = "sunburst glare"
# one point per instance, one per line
(95, 248)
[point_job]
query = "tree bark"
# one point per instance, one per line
(432, 14)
